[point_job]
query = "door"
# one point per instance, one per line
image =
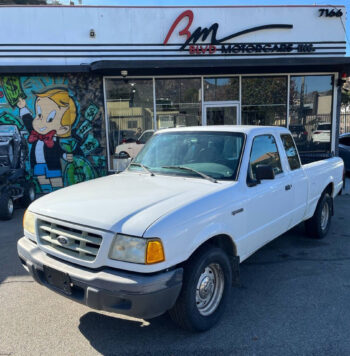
(268, 204)
(221, 114)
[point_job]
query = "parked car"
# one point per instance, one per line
(169, 233)
(13, 147)
(299, 133)
(132, 148)
(322, 134)
(15, 184)
(344, 150)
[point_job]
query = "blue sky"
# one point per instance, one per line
(222, 2)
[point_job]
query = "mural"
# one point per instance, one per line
(61, 121)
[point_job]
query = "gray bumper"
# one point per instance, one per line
(133, 294)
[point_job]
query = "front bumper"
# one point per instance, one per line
(133, 294)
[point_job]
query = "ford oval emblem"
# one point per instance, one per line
(62, 240)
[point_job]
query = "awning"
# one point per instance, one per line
(218, 66)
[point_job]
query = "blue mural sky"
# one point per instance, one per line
(220, 2)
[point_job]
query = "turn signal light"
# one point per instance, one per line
(154, 252)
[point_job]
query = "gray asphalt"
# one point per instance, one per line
(294, 300)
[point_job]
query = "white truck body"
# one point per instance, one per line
(185, 212)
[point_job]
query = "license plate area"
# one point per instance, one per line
(58, 280)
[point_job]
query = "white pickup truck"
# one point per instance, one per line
(168, 234)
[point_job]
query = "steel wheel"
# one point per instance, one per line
(31, 194)
(209, 289)
(324, 216)
(10, 206)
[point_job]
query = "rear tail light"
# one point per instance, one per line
(305, 133)
(317, 132)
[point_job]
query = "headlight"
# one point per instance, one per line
(29, 222)
(136, 250)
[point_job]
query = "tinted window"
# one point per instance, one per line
(324, 127)
(264, 151)
(291, 152)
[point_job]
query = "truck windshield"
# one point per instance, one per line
(214, 154)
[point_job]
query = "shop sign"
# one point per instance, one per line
(204, 41)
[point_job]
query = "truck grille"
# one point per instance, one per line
(73, 242)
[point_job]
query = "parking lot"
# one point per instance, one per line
(294, 299)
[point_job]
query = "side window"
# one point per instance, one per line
(291, 152)
(264, 151)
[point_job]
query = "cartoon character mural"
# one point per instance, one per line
(63, 149)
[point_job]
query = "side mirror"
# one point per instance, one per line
(264, 171)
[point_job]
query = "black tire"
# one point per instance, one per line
(28, 194)
(6, 202)
(318, 225)
(186, 312)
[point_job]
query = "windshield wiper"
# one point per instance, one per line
(142, 166)
(192, 170)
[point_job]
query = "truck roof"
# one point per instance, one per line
(247, 129)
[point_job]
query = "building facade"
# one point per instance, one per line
(87, 86)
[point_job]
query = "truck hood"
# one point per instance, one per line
(126, 203)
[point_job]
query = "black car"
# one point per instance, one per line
(13, 147)
(344, 150)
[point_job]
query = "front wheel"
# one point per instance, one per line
(205, 289)
(318, 226)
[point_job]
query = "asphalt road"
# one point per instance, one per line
(294, 300)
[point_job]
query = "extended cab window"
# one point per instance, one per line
(291, 151)
(264, 151)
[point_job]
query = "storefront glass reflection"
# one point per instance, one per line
(130, 117)
(221, 89)
(178, 102)
(311, 114)
(264, 101)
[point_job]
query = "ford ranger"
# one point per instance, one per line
(169, 233)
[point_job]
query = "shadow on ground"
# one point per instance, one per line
(10, 232)
(282, 306)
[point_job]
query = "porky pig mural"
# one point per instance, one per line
(61, 120)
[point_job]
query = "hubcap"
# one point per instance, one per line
(324, 216)
(210, 288)
(31, 194)
(10, 206)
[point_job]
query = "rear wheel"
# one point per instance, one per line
(206, 286)
(6, 206)
(28, 194)
(318, 226)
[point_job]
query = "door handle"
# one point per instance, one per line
(288, 187)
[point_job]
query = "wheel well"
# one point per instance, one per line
(223, 241)
(228, 246)
(329, 189)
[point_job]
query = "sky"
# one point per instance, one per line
(190, 3)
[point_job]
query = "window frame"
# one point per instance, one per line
(296, 150)
(252, 183)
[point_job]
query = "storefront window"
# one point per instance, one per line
(221, 89)
(178, 102)
(130, 118)
(311, 114)
(264, 101)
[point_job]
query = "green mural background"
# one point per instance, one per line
(61, 118)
